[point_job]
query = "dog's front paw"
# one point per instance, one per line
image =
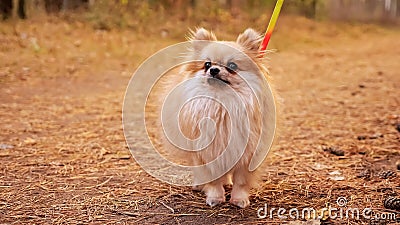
(212, 201)
(242, 203)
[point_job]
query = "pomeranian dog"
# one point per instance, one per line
(226, 114)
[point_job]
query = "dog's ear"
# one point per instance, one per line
(200, 38)
(249, 39)
(202, 34)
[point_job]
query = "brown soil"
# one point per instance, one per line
(63, 157)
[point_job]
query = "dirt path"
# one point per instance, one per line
(63, 157)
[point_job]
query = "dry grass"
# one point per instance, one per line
(61, 106)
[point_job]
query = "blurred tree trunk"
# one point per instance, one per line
(397, 8)
(73, 4)
(13, 8)
(21, 9)
(35, 7)
(391, 9)
(6, 7)
(309, 8)
(53, 6)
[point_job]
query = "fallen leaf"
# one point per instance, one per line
(30, 141)
(336, 172)
(337, 178)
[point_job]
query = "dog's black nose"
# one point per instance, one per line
(214, 72)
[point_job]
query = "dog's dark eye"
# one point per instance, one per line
(207, 65)
(232, 66)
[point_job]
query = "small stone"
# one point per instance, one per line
(361, 137)
(334, 151)
(30, 141)
(78, 43)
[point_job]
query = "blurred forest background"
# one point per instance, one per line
(132, 13)
(65, 65)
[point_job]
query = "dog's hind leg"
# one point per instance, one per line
(197, 177)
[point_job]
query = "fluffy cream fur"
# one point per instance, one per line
(229, 119)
